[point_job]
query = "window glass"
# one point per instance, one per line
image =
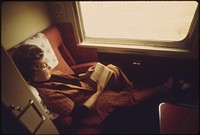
(137, 20)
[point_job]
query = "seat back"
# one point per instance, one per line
(178, 118)
(80, 54)
(63, 56)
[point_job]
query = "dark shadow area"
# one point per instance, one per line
(152, 71)
(140, 119)
(10, 124)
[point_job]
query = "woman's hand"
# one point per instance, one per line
(114, 69)
(90, 70)
(90, 103)
(99, 88)
(87, 74)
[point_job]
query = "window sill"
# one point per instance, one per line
(142, 50)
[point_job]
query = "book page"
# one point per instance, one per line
(105, 76)
(97, 71)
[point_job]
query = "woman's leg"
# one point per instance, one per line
(109, 100)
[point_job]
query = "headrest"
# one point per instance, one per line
(41, 41)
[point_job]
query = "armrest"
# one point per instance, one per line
(80, 68)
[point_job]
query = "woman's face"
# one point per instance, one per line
(43, 71)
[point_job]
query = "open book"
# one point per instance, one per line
(102, 74)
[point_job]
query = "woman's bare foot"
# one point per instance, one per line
(185, 85)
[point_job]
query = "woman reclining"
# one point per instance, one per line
(81, 104)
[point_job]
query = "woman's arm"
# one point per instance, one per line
(80, 111)
(87, 74)
(93, 99)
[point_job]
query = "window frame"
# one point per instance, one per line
(181, 48)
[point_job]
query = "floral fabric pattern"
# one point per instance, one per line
(41, 41)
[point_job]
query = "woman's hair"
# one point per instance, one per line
(25, 58)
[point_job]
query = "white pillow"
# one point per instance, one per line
(41, 41)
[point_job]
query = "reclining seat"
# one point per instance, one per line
(66, 62)
(63, 60)
(51, 53)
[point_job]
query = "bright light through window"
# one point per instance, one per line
(147, 20)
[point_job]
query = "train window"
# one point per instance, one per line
(132, 24)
